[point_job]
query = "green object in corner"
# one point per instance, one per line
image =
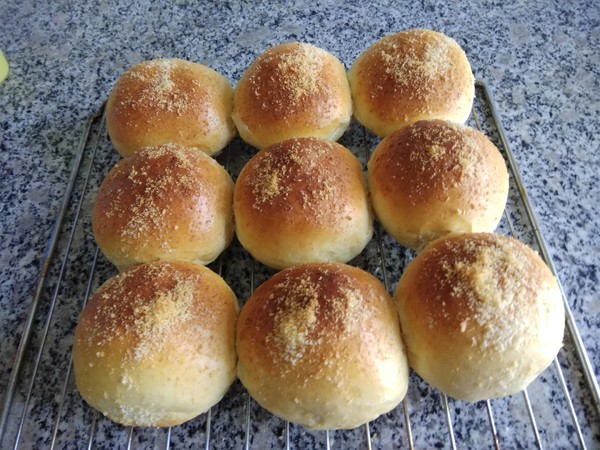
(3, 67)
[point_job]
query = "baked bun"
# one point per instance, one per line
(319, 345)
(408, 76)
(436, 177)
(481, 315)
(300, 200)
(155, 346)
(170, 100)
(292, 90)
(166, 202)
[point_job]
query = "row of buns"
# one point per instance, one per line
(321, 343)
(292, 90)
(302, 199)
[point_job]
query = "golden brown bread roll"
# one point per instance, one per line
(155, 345)
(292, 90)
(481, 315)
(408, 76)
(300, 200)
(166, 202)
(170, 101)
(319, 344)
(435, 177)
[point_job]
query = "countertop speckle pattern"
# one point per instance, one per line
(541, 60)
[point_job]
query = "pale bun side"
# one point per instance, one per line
(319, 345)
(408, 76)
(170, 100)
(165, 202)
(292, 90)
(436, 177)
(481, 314)
(300, 200)
(155, 345)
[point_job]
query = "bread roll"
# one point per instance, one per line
(436, 177)
(408, 76)
(166, 202)
(300, 200)
(155, 345)
(292, 90)
(170, 101)
(319, 345)
(481, 315)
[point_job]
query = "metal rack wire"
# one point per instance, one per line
(42, 409)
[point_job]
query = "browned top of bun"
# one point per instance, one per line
(292, 89)
(159, 197)
(155, 345)
(170, 100)
(411, 75)
(304, 181)
(439, 161)
(481, 315)
(290, 315)
(156, 308)
(483, 290)
(319, 344)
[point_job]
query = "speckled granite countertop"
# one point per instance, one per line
(541, 60)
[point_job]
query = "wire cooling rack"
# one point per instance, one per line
(42, 409)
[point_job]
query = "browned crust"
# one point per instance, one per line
(291, 90)
(170, 100)
(155, 330)
(301, 192)
(322, 335)
(310, 313)
(435, 177)
(172, 296)
(408, 76)
(168, 202)
(481, 315)
(304, 181)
